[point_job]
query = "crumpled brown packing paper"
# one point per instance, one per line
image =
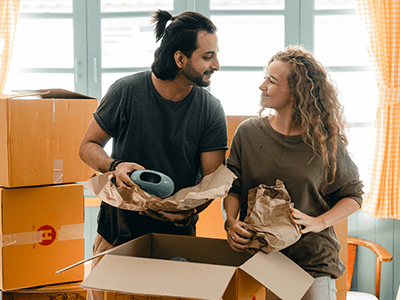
(269, 218)
(214, 185)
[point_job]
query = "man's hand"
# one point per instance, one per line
(181, 218)
(123, 172)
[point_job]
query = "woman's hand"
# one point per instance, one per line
(237, 236)
(340, 211)
(307, 223)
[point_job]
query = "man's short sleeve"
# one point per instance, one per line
(216, 133)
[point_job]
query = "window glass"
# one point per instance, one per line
(340, 41)
(109, 78)
(247, 4)
(137, 5)
(249, 40)
(237, 91)
(358, 94)
(335, 4)
(49, 45)
(46, 6)
(32, 81)
(360, 148)
(127, 42)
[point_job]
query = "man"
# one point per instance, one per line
(161, 120)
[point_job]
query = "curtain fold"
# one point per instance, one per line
(8, 22)
(382, 20)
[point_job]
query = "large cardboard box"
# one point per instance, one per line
(143, 267)
(40, 138)
(42, 230)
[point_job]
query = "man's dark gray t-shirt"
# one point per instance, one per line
(160, 135)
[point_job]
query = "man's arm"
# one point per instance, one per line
(91, 150)
(92, 153)
(210, 161)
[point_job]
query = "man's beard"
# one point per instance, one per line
(196, 77)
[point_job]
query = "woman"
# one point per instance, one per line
(302, 143)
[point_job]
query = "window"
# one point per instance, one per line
(85, 45)
(43, 50)
(340, 45)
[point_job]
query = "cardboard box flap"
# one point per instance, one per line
(144, 276)
(276, 266)
(52, 93)
(138, 247)
(19, 95)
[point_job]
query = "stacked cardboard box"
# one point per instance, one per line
(42, 205)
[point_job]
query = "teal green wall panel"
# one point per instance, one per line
(385, 232)
(396, 257)
(384, 236)
(91, 213)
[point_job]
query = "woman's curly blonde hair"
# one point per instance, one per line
(316, 108)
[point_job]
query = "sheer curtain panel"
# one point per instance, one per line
(8, 23)
(382, 20)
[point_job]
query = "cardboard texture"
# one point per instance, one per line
(42, 229)
(71, 291)
(143, 267)
(214, 185)
(40, 138)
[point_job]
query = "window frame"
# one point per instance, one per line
(299, 23)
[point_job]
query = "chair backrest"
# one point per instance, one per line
(381, 255)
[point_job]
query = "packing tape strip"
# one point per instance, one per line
(58, 171)
(22, 238)
(54, 110)
(65, 233)
(71, 232)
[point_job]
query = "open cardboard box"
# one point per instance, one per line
(144, 267)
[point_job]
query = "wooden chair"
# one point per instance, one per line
(381, 255)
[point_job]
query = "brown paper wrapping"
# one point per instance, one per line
(269, 218)
(214, 185)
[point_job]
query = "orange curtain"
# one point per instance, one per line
(8, 22)
(382, 20)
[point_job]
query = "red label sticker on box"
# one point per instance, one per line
(48, 235)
